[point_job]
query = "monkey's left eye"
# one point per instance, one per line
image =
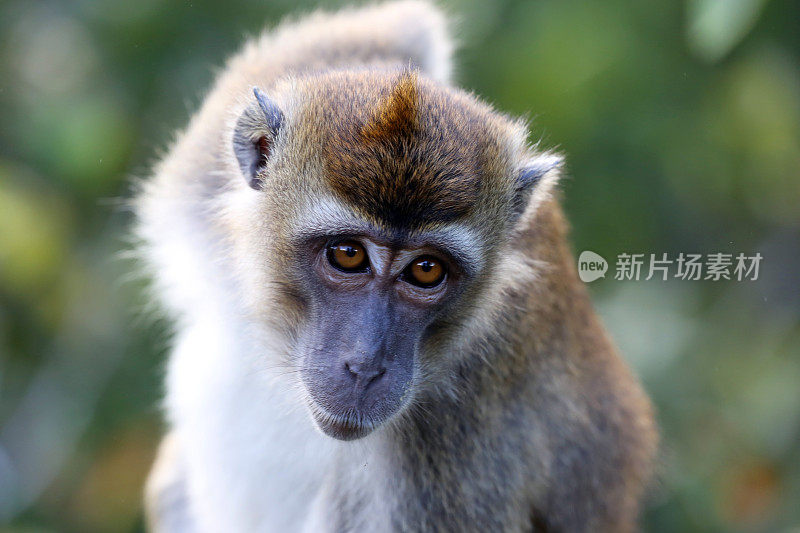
(348, 256)
(425, 271)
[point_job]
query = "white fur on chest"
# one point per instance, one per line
(253, 458)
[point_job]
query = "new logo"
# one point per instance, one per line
(591, 266)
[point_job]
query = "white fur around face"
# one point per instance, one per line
(254, 459)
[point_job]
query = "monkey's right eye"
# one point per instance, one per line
(348, 256)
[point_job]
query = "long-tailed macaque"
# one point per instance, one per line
(378, 322)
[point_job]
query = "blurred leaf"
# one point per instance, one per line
(85, 142)
(110, 496)
(749, 490)
(34, 228)
(715, 27)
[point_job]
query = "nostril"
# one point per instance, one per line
(375, 375)
(367, 375)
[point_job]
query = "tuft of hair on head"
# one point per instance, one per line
(396, 115)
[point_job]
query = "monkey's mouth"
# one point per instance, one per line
(343, 427)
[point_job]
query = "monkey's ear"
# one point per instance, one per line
(535, 180)
(254, 136)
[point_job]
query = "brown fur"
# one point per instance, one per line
(409, 153)
(396, 114)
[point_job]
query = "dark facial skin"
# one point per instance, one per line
(370, 304)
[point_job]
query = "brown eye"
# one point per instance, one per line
(348, 256)
(425, 271)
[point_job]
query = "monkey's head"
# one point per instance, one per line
(378, 205)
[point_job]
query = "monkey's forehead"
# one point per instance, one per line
(403, 149)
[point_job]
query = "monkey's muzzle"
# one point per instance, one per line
(358, 366)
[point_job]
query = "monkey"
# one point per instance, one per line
(378, 322)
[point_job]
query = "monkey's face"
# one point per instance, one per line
(384, 200)
(370, 303)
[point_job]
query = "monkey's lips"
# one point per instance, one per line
(343, 427)
(345, 412)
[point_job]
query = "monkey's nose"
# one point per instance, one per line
(364, 374)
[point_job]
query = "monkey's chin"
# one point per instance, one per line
(342, 428)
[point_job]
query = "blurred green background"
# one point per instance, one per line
(681, 122)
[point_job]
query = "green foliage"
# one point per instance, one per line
(681, 125)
